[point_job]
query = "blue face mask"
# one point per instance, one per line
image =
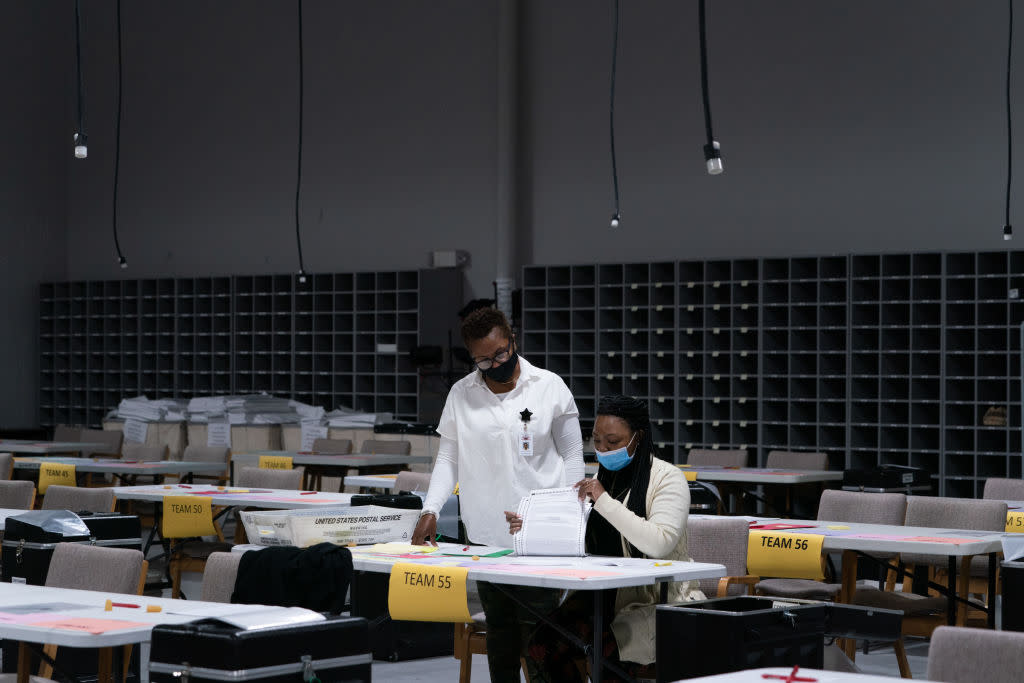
(617, 459)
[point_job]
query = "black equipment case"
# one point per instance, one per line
(335, 651)
(29, 539)
(402, 501)
(392, 640)
(732, 634)
(887, 479)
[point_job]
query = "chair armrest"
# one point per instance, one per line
(748, 579)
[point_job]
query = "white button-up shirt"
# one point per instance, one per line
(481, 448)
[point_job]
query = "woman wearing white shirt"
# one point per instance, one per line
(505, 430)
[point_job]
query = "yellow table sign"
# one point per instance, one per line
(428, 593)
(785, 555)
(1015, 521)
(691, 475)
(56, 473)
(187, 516)
(275, 462)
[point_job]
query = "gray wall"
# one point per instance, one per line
(864, 127)
(399, 133)
(36, 120)
(845, 127)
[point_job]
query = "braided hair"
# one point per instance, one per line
(636, 414)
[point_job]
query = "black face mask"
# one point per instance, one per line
(503, 373)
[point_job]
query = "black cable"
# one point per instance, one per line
(78, 67)
(298, 174)
(711, 149)
(1007, 229)
(117, 137)
(701, 10)
(611, 115)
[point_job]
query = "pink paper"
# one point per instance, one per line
(940, 539)
(88, 625)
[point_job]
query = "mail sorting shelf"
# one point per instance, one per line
(982, 355)
(804, 355)
(338, 339)
(873, 359)
(717, 355)
(895, 359)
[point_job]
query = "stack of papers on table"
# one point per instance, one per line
(554, 523)
(354, 419)
(160, 410)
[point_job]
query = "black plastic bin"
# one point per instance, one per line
(732, 634)
(1013, 596)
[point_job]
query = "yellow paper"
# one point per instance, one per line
(691, 475)
(187, 516)
(401, 548)
(428, 593)
(56, 473)
(1015, 521)
(275, 462)
(785, 555)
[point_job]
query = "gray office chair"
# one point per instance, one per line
(332, 446)
(6, 465)
(78, 499)
(721, 540)
(142, 453)
(219, 576)
(412, 481)
(256, 477)
(796, 460)
(17, 495)
(67, 433)
(110, 439)
(841, 506)
(709, 456)
(1003, 489)
(968, 655)
(377, 447)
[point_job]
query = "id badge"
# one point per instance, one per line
(526, 444)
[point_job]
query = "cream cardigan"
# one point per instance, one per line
(661, 536)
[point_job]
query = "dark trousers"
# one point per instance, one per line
(510, 625)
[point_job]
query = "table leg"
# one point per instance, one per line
(24, 663)
(992, 590)
(597, 658)
(846, 595)
(951, 595)
(144, 662)
(104, 674)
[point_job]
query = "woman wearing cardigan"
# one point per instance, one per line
(640, 509)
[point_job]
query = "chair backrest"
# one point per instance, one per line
(952, 513)
(376, 447)
(412, 481)
(95, 568)
(719, 540)
(797, 460)
(708, 456)
(110, 439)
(257, 477)
(219, 576)
(333, 446)
(78, 499)
(67, 433)
(966, 655)
(144, 453)
(6, 465)
(862, 508)
(207, 454)
(1004, 489)
(17, 495)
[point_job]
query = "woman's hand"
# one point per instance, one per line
(425, 529)
(515, 522)
(589, 487)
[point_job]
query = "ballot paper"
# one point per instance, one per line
(554, 523)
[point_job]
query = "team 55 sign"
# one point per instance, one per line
(423, 593)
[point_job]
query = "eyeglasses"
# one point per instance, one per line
(499, 357)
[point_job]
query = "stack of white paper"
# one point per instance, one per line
(554, 523)
(354, 419)
(142, 409)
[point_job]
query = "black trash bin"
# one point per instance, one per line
(731, 634)
(1013, 596)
